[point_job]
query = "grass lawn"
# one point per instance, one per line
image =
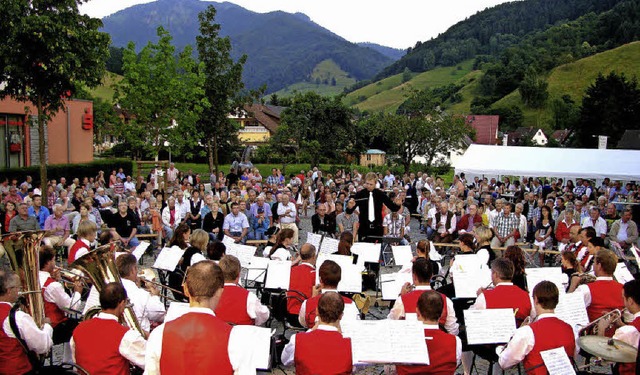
(325, 71)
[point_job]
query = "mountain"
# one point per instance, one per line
(491, 31)
(282, 48)
(392, 53)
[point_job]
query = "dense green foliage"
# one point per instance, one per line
(283, 48)
(48, 49)
(611, 106)
(492, 31)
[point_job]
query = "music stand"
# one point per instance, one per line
(386, 255)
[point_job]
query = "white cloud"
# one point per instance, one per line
(399, 23)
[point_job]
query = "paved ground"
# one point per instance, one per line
(379, 311)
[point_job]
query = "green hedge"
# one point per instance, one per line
(70, 171)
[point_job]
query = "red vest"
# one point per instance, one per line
(97, 344)
(13, 359)
(232, 307)
(442, 355)
(74, 249)
(509, 297)
(195, 344)
(549, 333)
(410, 303)
(302, 280)
(51, 310)
(310, 309)
(606, 295)
(322, 352)
(630, 368)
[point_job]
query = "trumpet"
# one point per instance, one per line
(70, 276)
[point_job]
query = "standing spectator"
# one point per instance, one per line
(287, 215)
(172, 174)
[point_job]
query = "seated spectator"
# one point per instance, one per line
(504, 226)
(259, 226)
(468, 222)
(594, 220)
(321, 222)
(59, 226)
(444, 224)
(124, 226)
(624, 231)
(393, 227)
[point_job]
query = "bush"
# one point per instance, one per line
(70, 171)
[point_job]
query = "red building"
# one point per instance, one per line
(68, 135)
(486, 128)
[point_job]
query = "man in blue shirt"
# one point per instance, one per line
(38, 211)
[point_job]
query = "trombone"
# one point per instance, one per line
(146, 275)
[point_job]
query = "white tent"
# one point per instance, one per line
(550, 162)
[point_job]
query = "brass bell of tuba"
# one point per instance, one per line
(23, 250)
(100, 267)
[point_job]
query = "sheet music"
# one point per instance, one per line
(553, 274)
(244, 253)
(278, 274)
(256, 271)
(557, 362)
(491, 326)
(466, 284)
(465, 263)
(622, 273)
(168, 258)
(176, 310)
(351, 280)
(402, 255)
(386, 341)
(259, 346)
(314, 239)
(138, 252)
(391, 284)
(227, 241)
(433, 254)
(571, 309)
(329, 245)
(367, 252)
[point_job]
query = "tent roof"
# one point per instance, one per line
(550, 162)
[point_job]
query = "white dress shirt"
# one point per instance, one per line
(256, 310)
(600, 225)
(239, 356)
(521, 344)
(146, 307)
(55, 293)
(184, 207)
(628, 333)
(287, 218)
(451, 323)
(132, 346)
(38, 340)
(351, 311)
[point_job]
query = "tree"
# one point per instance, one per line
(48, 47)
(533, 90)
(223, 82)
(610, 106)
(312, 117)
(163, 95)
(565, 113)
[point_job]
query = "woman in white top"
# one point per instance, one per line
(280, 251)
(198, 245)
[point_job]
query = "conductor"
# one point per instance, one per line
(369, 201)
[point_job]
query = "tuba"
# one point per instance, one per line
(100, 267)
(23, 250)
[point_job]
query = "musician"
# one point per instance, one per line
(330, 276)
(87, 232)
(302, 279)
(214, 348)
(146, 303)
(547, 332)
(604, 294)
(13, 358)
(369, 202)
(504, 295)
(104, 346)
(56, 298)
(445, 349)
(421, 273)
(581, 249)
(593, 244)
(322, 350)
(630, 333)
(237, 305)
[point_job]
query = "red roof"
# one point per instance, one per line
(486, 128)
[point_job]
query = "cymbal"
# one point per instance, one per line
(608, 348)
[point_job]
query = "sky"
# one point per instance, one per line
(393, 23)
